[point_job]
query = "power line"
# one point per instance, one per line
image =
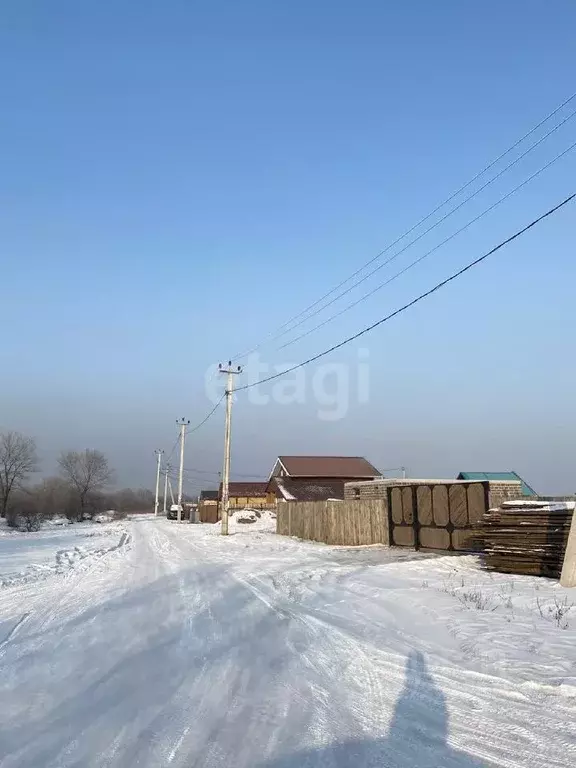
(437, 223)
(428, 253)
(201, 471)
(173, 475)
(173, 448)
(213, 472)
(443, 218)
(417, 299)
(190, 430)
(276, 334)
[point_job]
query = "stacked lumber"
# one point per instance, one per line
(527, 537)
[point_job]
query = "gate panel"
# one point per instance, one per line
(440, 516)
(440, 505)
(402, 517)
(396, 506)
(424, 505)
(476, 502)
(458, 506)
(407, 506)
(463, 539)
(434, 538)
(403, 536)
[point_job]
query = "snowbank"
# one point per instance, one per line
(62, 560)
(242, 520)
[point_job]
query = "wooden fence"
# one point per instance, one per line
(349, 523)
(208, 513)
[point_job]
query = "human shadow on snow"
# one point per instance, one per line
(92, 674)
(417, 736)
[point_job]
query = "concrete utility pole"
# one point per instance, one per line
(568, 576)
(158, 466)
(171, 492)
(166, 486)
(230, 372)
(183, 424)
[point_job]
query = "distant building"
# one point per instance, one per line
(254, 495)
(526, 489)
(317, 478)
(208, 507)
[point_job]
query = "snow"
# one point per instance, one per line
(285, 493)
(104, 517)
(256, 519)
(26, 556)
(541, 506)
(194, 650)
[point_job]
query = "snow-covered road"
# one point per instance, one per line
(185, 649)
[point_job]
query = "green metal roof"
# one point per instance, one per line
(526, 489)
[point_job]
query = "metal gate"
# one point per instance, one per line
(437, 516)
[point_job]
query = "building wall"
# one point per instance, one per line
(370, 489)
(258, 502)
(504, 490)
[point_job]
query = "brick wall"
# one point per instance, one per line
(367, 489)
(503, 490)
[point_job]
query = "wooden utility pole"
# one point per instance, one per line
(158, 467)
(183, 424)
(230, 372)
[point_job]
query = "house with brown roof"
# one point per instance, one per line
(317, 478)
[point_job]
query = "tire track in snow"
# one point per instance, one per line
(211, 664)
(235, 675)
(164, 728)
(478, 702)
(14, 629)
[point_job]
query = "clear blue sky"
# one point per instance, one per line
(179, 178)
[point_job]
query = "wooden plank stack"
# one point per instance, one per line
(527, 537)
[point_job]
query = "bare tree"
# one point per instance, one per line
(130, 500)
(87, 472)
(17, 460)
(54, 496)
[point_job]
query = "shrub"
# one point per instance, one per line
(556, 612)
(25, 515)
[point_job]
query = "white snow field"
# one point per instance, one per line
(183, 648)
(27, 556)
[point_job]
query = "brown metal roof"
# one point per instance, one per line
(246, 489)
(307, 490)
(329, 466)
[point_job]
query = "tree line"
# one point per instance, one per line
(80, 491)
